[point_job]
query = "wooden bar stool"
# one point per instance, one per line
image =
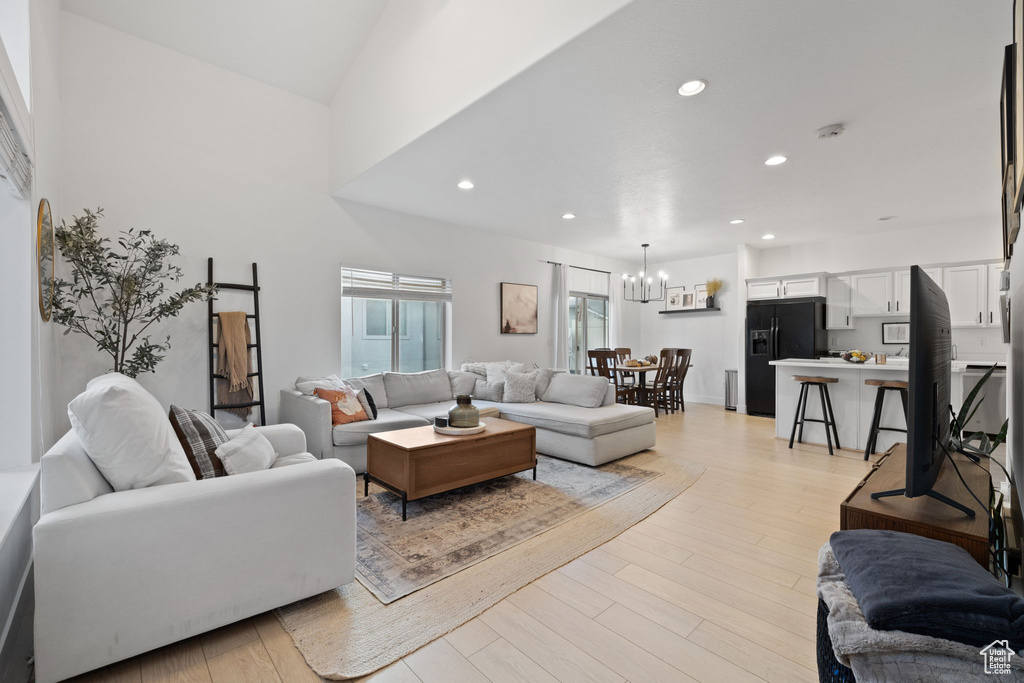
(828, 418)
(884, 385)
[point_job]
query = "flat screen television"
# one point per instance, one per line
(928, 416)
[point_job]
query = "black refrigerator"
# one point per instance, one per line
(777, 329)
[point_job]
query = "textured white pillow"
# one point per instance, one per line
(248, 451)
(520, 387)
(307, 385)
(127, 435)
(496, 370)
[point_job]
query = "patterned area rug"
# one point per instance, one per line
(349, 632)
(448, 532)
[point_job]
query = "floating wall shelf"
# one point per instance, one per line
(690, 310)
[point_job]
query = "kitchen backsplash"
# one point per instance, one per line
(982, 344)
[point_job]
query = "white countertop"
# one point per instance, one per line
(892, 364)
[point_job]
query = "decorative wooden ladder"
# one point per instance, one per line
(255, 317)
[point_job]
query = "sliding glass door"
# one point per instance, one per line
(588, 328)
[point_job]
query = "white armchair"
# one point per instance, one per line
(118, 574)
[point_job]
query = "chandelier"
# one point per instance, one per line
(648, 291)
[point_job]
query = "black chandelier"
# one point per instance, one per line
(647, 286)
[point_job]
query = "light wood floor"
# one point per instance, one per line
(716, 586)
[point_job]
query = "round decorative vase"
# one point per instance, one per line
(463, 413)
(711, 301)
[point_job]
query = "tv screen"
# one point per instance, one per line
(930, 360)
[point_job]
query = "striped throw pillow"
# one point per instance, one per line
(200, 435)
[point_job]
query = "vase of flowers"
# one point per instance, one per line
(714, 285)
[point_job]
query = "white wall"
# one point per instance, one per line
(984, 344)
(428, 60)
(228, 167)
(712, 335)
(938, 244)
(14, 32)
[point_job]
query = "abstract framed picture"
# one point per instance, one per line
(689, 301)
(518, 308)
(896, 333)
(674, 298)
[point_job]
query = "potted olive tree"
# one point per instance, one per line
(116, 294)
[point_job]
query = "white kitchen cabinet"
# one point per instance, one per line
(764, 289)
(838, 296)
(872, 293)
(801, 286)
(901, 288)
(992, 315)
(966, 291)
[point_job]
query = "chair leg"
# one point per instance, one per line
(869, 448)
(824, 417)
(803, 414)
(831, 416)
(798, 417)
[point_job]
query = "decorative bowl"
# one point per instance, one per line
(855, 356)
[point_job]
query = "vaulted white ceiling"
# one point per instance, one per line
(303, 46)
(597, 129)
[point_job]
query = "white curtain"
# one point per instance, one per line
(614, 310)
(560, 316)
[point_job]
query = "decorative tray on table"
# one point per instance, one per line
(460, 431)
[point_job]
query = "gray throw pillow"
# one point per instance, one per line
(413, 388)
(489, 391)
(577, 390)
(475, 368)
(544, 376)
(463, 383)
(520, 387)
(496, 370)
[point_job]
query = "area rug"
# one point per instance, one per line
(446, 533)
(349, 632)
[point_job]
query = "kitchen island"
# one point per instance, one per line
(853, 402)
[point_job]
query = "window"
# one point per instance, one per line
(392, 322)
(588, 327)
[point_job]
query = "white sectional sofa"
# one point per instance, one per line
(591, 436)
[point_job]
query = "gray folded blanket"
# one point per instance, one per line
(919, 585)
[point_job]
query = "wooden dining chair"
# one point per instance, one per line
(591, 364)
(680, 368)
(622, 354)
(605, 361)
(659, 390)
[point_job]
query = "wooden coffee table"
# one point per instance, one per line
(419, 462)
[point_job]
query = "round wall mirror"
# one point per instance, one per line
(44, 249)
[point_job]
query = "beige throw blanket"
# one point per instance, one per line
(234, 362)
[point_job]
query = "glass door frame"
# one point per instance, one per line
(581, 358)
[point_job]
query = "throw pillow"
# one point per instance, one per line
(544, 376)
(247, 451)
(576, 390)
(345, 406)
(373, 384)
(496, 370)
(523, 367)
(307, 384)
(463, 383)
(199, 435)
(475, 368)
(366, 401)
(488, 391)
(127, 435)
(520, 387)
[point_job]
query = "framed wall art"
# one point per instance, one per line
(896, 333)
(674, 298)
(701, 292)
(689, 301)
(518, 308)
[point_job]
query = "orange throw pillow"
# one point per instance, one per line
(345, 405)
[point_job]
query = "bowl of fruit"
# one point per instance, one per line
(855, 356)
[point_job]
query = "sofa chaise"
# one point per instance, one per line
(591, 436)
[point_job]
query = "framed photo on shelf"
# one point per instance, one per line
(896, 333)
(701, 291)
(674, 298)
(689, 301)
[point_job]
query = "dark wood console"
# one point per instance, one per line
(923, 515)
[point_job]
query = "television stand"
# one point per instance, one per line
(924, 515)
(937, 496)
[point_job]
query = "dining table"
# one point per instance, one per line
(642, 383)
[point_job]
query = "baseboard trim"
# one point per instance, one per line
(712, 400)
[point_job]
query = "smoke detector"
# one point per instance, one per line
(833, 131)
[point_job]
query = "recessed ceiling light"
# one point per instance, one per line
(736, 222)
(886, 218)
(465, 185)
(568, 216)
(692, 87)
(775, 161)
(769, 236)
